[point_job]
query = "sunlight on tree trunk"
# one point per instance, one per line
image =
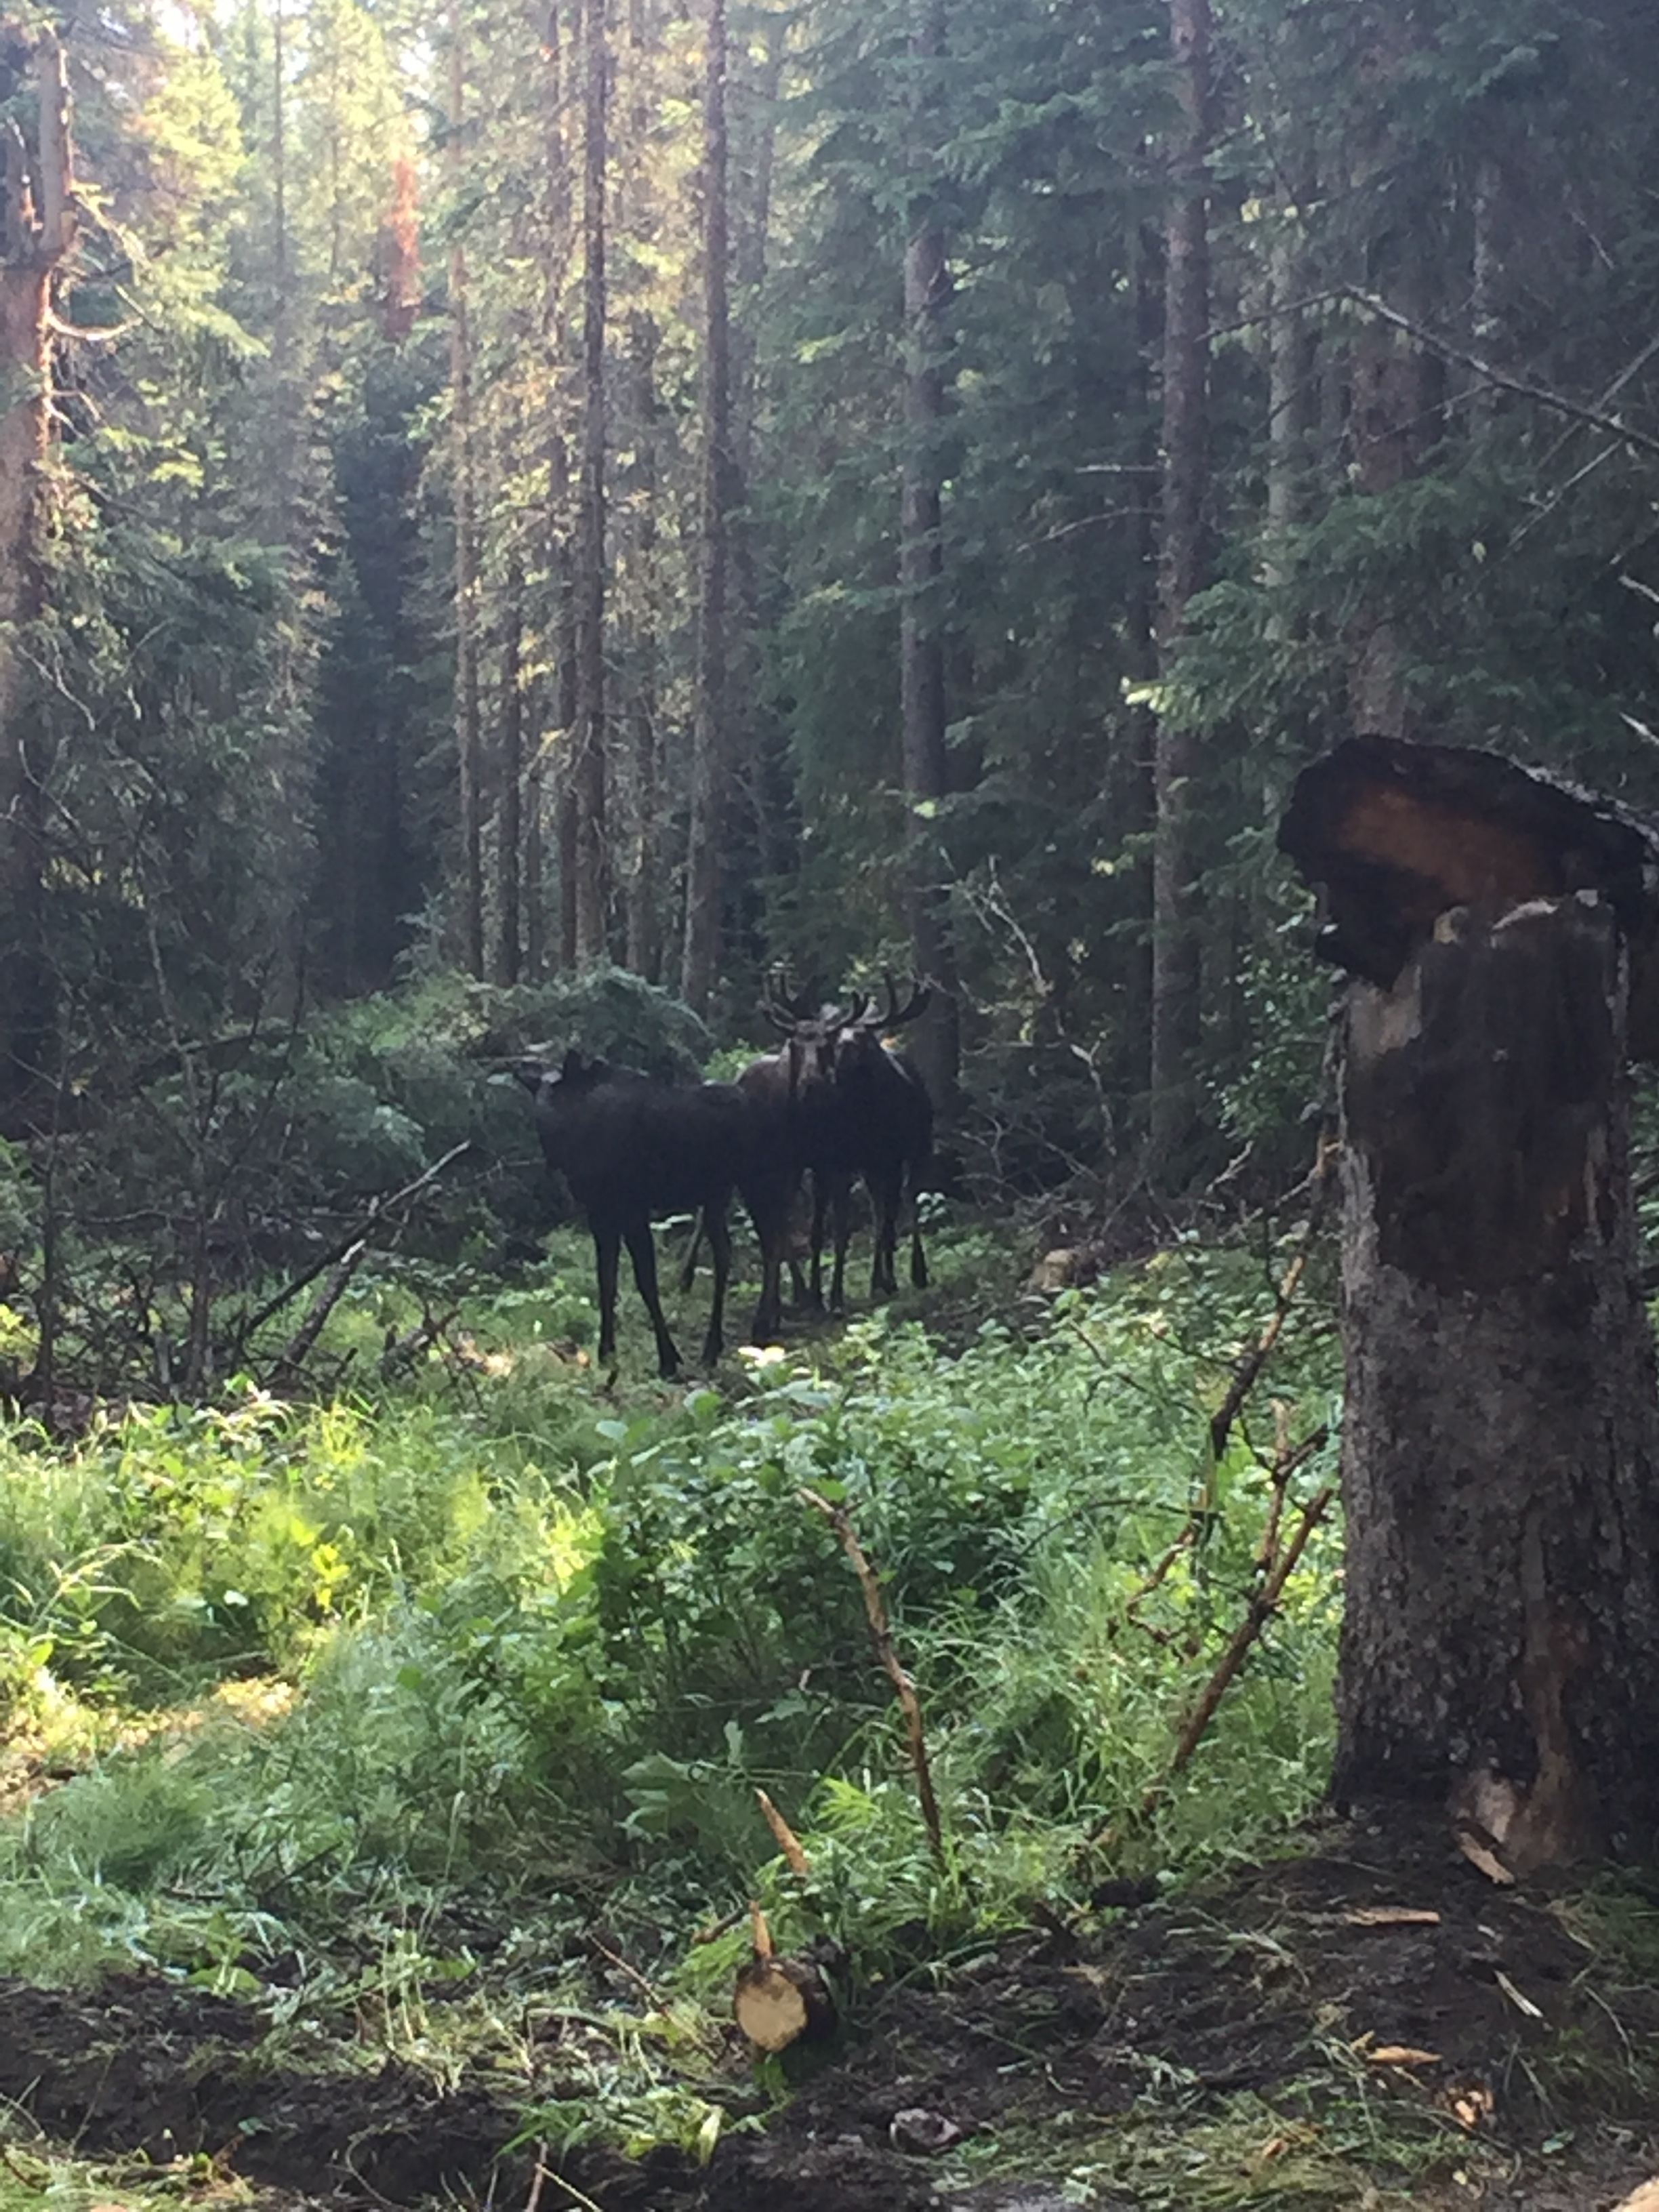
(37, 233)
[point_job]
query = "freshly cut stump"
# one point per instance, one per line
(777, 2002)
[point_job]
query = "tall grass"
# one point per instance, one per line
(352, 1676)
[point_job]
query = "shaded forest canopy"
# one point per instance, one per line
(828, 485)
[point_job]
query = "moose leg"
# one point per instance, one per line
(642, 1251)
(720, 1248)
(885, 1196)
(821, 1183)
(607, 1249)
(843, 1227)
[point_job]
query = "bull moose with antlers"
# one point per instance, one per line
(856, 1107)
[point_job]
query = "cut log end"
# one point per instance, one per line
(778, 2002)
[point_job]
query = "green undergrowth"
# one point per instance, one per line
(473, 1683)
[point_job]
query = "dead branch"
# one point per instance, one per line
(379, 1209)
(881, 1636)
(404, 1350)
(293, 1354)
(1249, 1368)
(1537, 394)
(1259, 1611)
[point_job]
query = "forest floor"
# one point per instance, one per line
(1367, 2023)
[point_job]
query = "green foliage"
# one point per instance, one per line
(447, 1643)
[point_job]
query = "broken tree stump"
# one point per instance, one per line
(1500, 1458)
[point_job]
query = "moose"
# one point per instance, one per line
(848, 1105)
(631, 1148)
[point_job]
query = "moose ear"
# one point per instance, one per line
(574, 1065)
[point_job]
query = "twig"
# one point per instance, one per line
(537, 2177)
(378, 1209)
(881, 1636)
(1596, 419)
(1257, 1614)
(1248, 1368)
(615, 1958)
(293, 1354)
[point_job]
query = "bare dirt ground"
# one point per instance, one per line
(1288, 2039)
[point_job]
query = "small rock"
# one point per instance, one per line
(919, 2131)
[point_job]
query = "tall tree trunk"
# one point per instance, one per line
(37, 233)
(1500, 1461)
(557, 87)
(510, 824)
(645, 890)
(468, 734)
(591, 854)
(1176, 762)
(700, 960)
(935, 1041)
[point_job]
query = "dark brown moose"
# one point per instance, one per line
(631, 1148)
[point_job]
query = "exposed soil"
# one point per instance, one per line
(1525, 2060)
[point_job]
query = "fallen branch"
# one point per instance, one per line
(881, 1636)
(378, 1210)
(293, 1354)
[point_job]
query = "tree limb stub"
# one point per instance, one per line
(1394, 835)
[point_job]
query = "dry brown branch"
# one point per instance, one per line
(293, 1354)
(377, 1211)
(1257, 1614)
(724, 1926)
(1248, 1368)
(788, 1841)
(881, 1636)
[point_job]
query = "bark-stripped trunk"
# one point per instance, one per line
(37, 233)
(1501, 1432)
(704, 855)
(468, 737)
(935, 1041)
(510, 828)
(590, 856)
(1175, 762)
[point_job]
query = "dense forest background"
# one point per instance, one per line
(850, 485)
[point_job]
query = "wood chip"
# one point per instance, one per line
(1392, 1916)
(1471, 2104)
(1518, 1998)
(1401, 2054)
(1645, 2199)
(1490, 1864)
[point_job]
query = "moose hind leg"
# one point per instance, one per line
(607, 1250)
(642, 1250)
(720, 1248)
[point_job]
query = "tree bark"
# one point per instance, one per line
(560, 530)
(645, 890)
(1500, 1462)
(935, 1041)
(1176, 764)
(704, 870)
(468, 737)
(510, 826)
(37, 234)
(591, 854)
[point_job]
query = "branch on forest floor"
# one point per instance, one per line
(881, 1636)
